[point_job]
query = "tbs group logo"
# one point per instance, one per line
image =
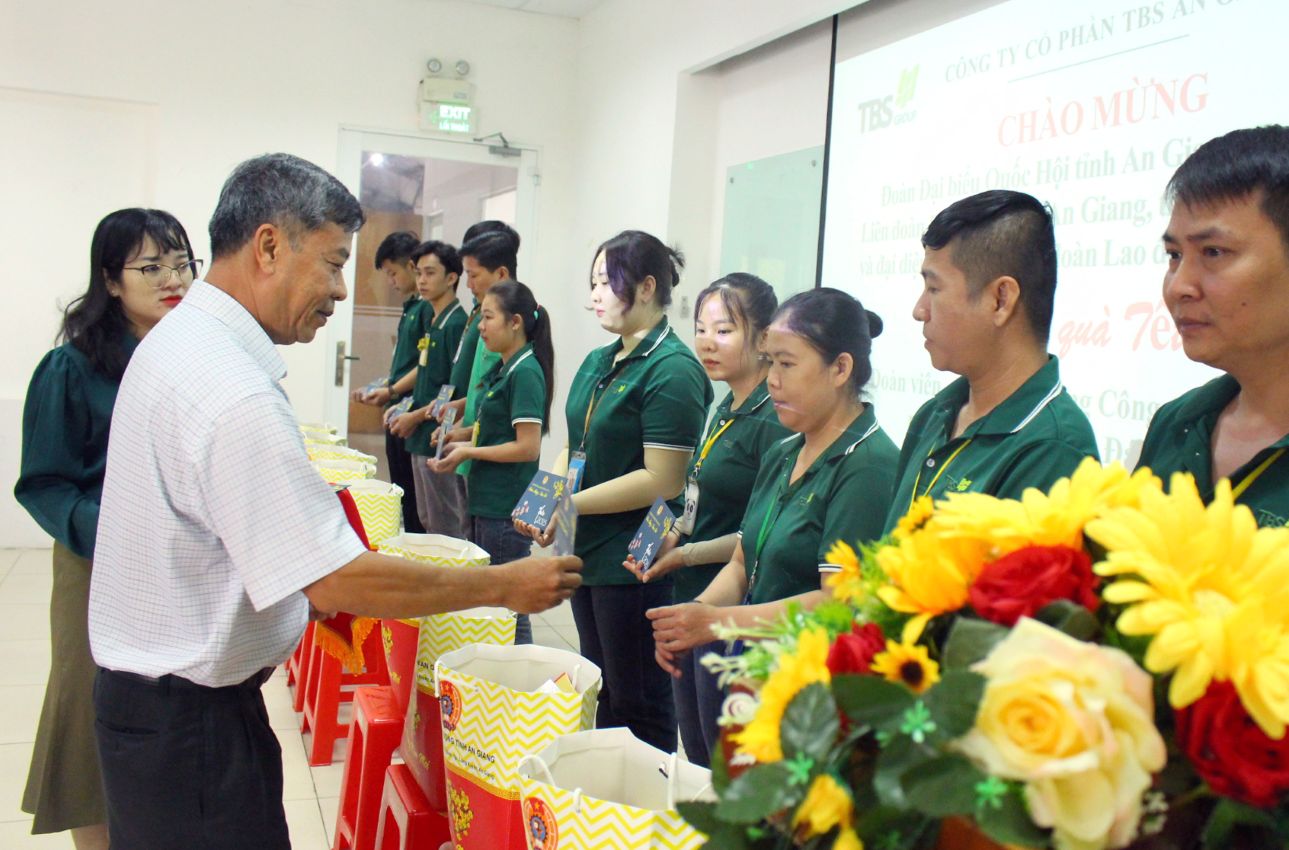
(542, 831)
(449, 705)
(882, 112)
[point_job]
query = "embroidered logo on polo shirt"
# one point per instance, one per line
(622, 388)
(963, 485)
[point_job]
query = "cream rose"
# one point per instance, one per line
(1075, 722)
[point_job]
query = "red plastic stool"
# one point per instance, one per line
(406, 820)
(374, 735)
(297, 668)
(325, 693)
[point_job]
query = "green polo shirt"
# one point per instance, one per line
(442, 332)
(473, 361)
(510, 393)
(844, 495)
(726, 477)
(1037, 435)
(657, 396)
(1180, 439)
(410, 329)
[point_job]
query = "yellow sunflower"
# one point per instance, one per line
(919, 512)
(907, 664)
(1054, 518)
(827, 804)
(929, 574)
(794, 670)
(847, 584)
(1213, 590)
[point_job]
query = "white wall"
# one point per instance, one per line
(229, 79)
(602, 98)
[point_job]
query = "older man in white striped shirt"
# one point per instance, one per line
(217, 537)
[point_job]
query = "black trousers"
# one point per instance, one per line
(616, 636)
(186, 766)
(400, 473)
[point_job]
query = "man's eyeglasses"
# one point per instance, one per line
(158, 275)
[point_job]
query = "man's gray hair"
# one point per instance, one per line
(284, 190)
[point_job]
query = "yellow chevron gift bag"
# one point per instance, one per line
(344, 471)
(422, 733)
(438, 549)
(380, 504)
(422, 743)
(606, 789)
(327, 451)
(498, 704)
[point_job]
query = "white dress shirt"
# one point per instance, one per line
(212, 520)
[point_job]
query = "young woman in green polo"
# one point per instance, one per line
(829, 481)
(730, 320)
(514, 407)
(635, 417)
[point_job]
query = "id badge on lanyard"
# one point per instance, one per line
(576, 468)
(685, 525)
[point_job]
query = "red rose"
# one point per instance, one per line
(1020, 584)
(1235, 757)
(853, 652)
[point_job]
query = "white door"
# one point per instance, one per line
(433, 187)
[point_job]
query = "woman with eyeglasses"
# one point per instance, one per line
(141, 264)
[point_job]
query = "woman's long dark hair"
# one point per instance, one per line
(516, 299)
(95, 321)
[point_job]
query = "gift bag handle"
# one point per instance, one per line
(671, 783)
(550, 780)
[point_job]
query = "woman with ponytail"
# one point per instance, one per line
(513, 413)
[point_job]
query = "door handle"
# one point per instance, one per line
(341, 357)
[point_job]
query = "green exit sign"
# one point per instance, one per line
(454, 118)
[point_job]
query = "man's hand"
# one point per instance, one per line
(533, 585)
(457, 405)
(405, 424)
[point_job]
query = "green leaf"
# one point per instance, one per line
(720, 835)
(809, 727)
(896, 759)
(942, 786)
(701, 816)
(1228, 815)
(970, 641)
(1069, 617)
(757, 794)
(954, 702)
(1010, 823)
(837, 617)
(871, 701)
(720, 769)
(885, 828)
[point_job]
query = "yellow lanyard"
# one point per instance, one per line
(936, 478)
(596, 399)
(711, 441)
(1253, 476)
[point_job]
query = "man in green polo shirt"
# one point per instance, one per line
(440, 497)
(1227, 288)
(989, 278)
(394, 261)
(487, 258)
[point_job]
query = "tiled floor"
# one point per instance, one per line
(310, 795)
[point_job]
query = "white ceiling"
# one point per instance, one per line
(563, 8)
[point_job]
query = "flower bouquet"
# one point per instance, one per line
(1101, 666)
